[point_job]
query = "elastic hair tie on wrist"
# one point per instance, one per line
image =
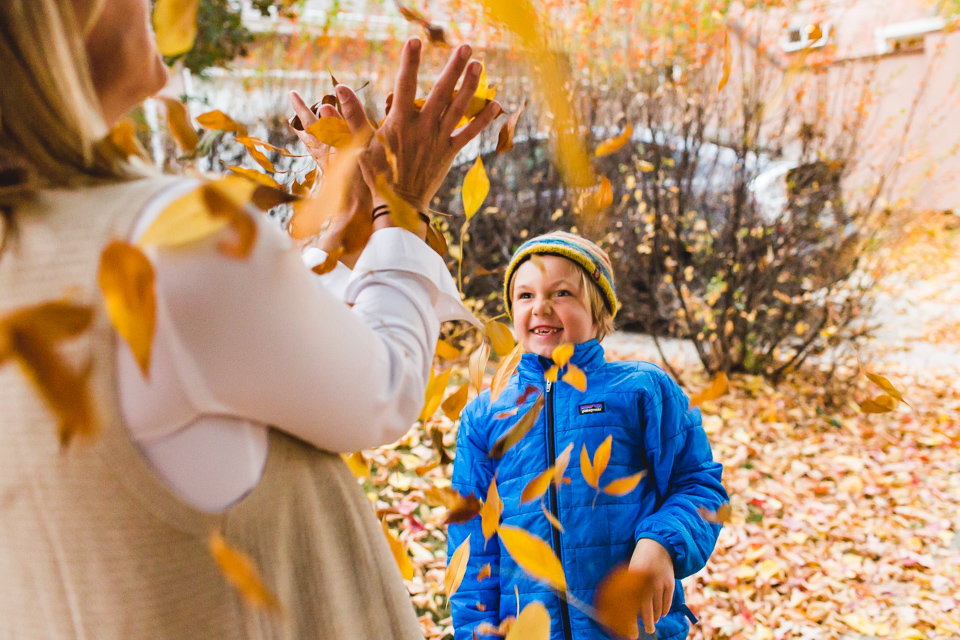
(383, 209)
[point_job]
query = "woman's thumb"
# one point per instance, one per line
(353, 111)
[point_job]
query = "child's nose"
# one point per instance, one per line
(542, 307)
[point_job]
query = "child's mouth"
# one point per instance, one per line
(545, 331)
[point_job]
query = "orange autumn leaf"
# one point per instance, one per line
(613, 145)
(261, 158)
(720, 516)
(255, 176)
(310, 216)
(880, 404)
(175, 24)
(552, 519)
(515, 433)
(604, 195)
(506, 369)
(623, 486)
(240, 571)
(334, 132)
(533, 623)
(357, 465)
(537, 487)
(491, 511)
(534, 556)
(618, 599)
(28, 336)
(478, 365)
(329, 263)
(576, 378)
(457, 568)
(716, 389)
(460, 508)
(550, 375)
(476, 186)
(727, 61)
(560, 467)
(219, 121)
(509, 129)
(501, 337)
(123, 136)
(561, 354)
(127, 284)
(434, 394)
(592, 472)
(178, 121)
(455, 402)
(223, 203)
(447, 350)
(399, 553)
(484, 573)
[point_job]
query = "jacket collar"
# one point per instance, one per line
(587, 356)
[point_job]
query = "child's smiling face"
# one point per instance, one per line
(550, 305)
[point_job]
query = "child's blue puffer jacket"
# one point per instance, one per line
(653, 429)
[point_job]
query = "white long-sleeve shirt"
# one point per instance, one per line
(242, 346)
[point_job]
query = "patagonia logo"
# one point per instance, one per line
(593, 407)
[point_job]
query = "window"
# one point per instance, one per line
(805, 36)
(905, 37)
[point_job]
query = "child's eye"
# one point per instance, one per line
(524, 296)
(563, 292)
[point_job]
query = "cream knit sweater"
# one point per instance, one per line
(93, 546)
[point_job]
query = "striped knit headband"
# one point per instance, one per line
(592, 258)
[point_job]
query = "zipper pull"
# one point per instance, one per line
(549, 385)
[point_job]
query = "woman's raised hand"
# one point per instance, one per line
(424, 141)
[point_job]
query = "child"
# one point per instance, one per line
(566, 295)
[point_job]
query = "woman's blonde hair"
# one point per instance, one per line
(52, 132)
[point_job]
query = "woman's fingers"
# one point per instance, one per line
(458, 106)
(329, 111)
(442, 91)
(405, 89)
(303, 111)
(475, 126)
(353, 112)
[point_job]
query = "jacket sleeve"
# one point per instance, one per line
(686, 477)
(475, 601)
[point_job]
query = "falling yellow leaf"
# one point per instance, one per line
(613, 145)
(329, 263)
(534, 556)
(537, 487)
(455, 402)
(484, 573)
(251, 146)
(884, 384)
(727, 60)
(533, 623)
(491, 510)
(561, 355)
(880, 404)
(505, 371)
(478, 365)
(716, 389)
(239, 570)
(356, 463)
(720, 516)
(604, 196)
(123, 136)
(501, 337)
(457, 568)
(434, 395)
(460, 508)
(623, 486)
(576, 378)
(178, 120)
(223, 203)
(552, 519)
(309, 217)
(509, 129)
(219, 121)
(331, 131)
(28, 336)
(402, 212)
(175, 23)
(476, 186)
(255, 176)
(447, 350)
(550, 375)
(560, 467)
(592, 472)
(515, 433)
(618, 599)
(399, 553)
(126, 280)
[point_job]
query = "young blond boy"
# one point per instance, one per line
(566, 295)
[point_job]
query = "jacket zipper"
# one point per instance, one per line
(553, 506)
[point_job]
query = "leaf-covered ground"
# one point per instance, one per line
(844, 524)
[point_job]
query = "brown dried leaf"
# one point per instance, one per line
(223, 203)
(604, 195)
(484, 573)
(720, 516)
(239, 570)
(515, 433)
(460, 508)
(509, 129)
(126, 281)
(255, 176)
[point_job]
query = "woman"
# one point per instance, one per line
(257, 373)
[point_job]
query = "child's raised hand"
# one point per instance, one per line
(652, 561)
